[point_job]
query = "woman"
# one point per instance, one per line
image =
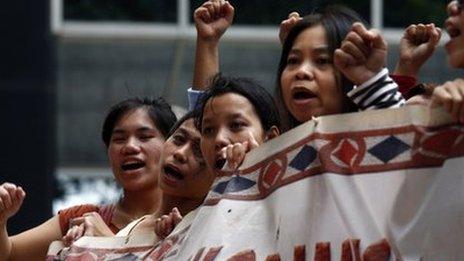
(184, 181)
(451, 94)
(134, 132)
(330, 88)
(236, 115)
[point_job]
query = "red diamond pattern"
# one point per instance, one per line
(346, 152)
(271, 173)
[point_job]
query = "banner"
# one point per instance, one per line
(377, 185)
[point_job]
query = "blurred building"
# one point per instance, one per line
(110, 50)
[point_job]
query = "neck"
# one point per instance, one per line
(139, 203)
(185, 205)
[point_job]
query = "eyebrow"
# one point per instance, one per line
(141, 129)
(318, 49)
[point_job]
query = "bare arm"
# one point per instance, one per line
(211, 21)
(31, 244)
(416, 46)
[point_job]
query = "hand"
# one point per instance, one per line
(287, 25)
(452, 9)
(212, 19)
(416, 46)
(74, 233)
(90, 224)
(11, 199)
(451, 96)
(166, 223)
(235, 153)
(361, 55)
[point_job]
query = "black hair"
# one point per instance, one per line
(337, 22)
(158, 110)
(189, 115)
(261, 99)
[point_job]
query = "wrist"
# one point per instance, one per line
(364, 77)
(406, 68)
(208, 40)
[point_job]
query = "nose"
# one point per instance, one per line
(180, 154)
(131, 147)
(304, 71)
(221, 139)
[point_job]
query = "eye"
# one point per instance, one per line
(146, 137)
(178, 139)
(118, 139)
(196, 150)
(292, 59)
(323, 60)
(207, 131)
(237, 125)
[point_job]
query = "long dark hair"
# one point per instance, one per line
(337, 22)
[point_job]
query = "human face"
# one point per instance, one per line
(183, 170)
(309, 83)
(455, 27)
(227, 119)
(134, 151)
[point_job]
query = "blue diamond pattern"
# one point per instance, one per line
(126, 257)
(235, 184)
(305, 157)
(389, 149)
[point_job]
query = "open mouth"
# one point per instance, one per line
(303, 94)
(453, 32)
(173, 172)
(220, 162)
(132, 166)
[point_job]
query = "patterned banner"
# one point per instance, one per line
(378, 185)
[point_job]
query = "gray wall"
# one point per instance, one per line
(93, 74)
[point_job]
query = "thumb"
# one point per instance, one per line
(251, 142)
(435, 37)
(377, 40)
(228, 11)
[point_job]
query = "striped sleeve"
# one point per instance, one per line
(193, 97)
(379, 92)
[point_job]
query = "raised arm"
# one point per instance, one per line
(361, 58)
(31, 244)
(416, 46)
(211, 21)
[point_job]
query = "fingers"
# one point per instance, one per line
(163, 226)
(235, 153)
(451, 96)
(343, 59)
(77, 221)
(7, 191)
(420, 33)
(74, 233)
(434, 34)
(356, 50)
(176, 216)
(287, 25)
(227, 11)
(11, 199)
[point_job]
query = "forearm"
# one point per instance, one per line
(206, 63)
(5, 243)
